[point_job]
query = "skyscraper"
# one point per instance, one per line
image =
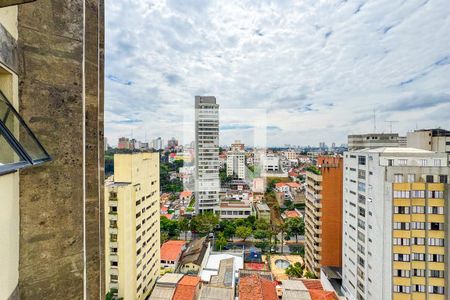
(323, 220)
(396, 222)
(132, 231)
(207, 182)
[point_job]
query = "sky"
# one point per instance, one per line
(311, 71)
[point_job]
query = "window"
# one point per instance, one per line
(435, 194)
(398, 178)
(402, 273)
(423, 162)
(418, 288)
(435, 226)
(417, 194)
(418, 209)
(402, 289)
(419, 272)
(403, 210)
(443, 179)
(402, 162)
(411, 178)
(437, 162)
(418, 256)
(390, 162)
(362, 160)
(402, 194)
(417, 241)
(436, 273)
(435, 257)
(401, 226)
(430, 178)
(418, 225)
(19, 147)
(436, 289)
(114, 278)
(435, 242)
(436, 210)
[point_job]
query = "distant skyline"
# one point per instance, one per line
(318, 70)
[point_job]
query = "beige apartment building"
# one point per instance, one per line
(132, 243)
(51, 149)
(396, 224)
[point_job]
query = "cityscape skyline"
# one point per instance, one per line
(297, 61)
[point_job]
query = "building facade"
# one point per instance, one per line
(236, 161)
(323, 214)
(437, 140)
(372, 140)
(207, 184)
(52, 212)
(395, 224)
(132, 243)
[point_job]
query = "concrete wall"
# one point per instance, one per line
(61, 98)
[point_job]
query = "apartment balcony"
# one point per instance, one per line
(113, 202)
(112, 216)
(113, 244)
(113, 230)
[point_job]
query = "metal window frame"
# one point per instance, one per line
(17, 146)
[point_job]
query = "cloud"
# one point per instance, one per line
(288, 58)
(417, 102)
(236, 127)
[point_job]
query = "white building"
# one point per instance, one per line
(395, 216)
(270, 163)
(236, 163)
(207, 182)
(430, 139)
(235, 210)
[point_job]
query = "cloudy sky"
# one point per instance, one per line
(310, 70)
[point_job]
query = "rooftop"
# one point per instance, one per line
(171, 250)
(186, 194)
(186, 288)
(254, 287)
(262, 206)
(169, 279)
(216, 293)
(395, 150)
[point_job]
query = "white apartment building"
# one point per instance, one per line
(270, 163)
(132, 234)
(236, 164)
(235, 210)
(207, 184)
(395, 224)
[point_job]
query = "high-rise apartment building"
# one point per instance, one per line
(396, 222)
(323, 214)
(372, 140)
(51, 76)
(157, 144)
(207, 182)
(236, 160)
(132, 242)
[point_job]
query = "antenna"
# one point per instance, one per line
(390, 123)
(374, 121)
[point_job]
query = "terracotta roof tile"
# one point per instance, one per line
(185, 194)
(291, 214)
(322, 295)
(186, 288)
(312, 284)
(254, 287)
(171, 250)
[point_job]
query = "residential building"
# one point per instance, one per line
(132, 244)
(166, 286)
(207, 183)
(195, 257)
(234, 210)
(263, 211)
(403, 142)
(396, 219)
(171, 253)
(437, 140)
(51, 210)
(188, 288)
(255, 287)
(124, 143)
(157, 144)
(323, 214)
(270, 163)
(372, 140)
(236, 161)
(222, 269)
(185, 197)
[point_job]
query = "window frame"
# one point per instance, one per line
(17, 147)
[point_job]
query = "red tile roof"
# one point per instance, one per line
(322, 295)
(184, 194)
(312, 284)
(254, 287)
(291, 214)
(294, 185)
(171, 250)
(255, 266)
(293, 174)
(280, 184)
(186, 288)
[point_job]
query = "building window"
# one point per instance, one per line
(402, 162)
(398, 178)
(419, 273)
(418, 288)
(362, 160)
(437, 162)
(436, 289)
(411, 178)
(19, 147)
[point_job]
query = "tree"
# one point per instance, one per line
(204, 223)
(243, 232)
(295, 270)
(263, 244)
(251, 220)
(221, 242)
(310, 275)
(185, 226)
(289, 204)
(261, 234)
(295, 227)
(282, 228)
(164, 237)
(169, 226)
(261, 224)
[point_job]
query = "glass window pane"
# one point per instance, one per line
(7, 154)
(20, 131)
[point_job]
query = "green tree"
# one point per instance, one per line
(261, 234)
(251, 220)
(164, 237)
(185, 226)
(282, 228)
(243, 232)
(310, 275)
(295, 270)
(169, 226)
(295, 227)
(262, 224)
(263, 245)
(204, 223)
(221, 241)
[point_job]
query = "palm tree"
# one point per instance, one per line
(282, 228)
